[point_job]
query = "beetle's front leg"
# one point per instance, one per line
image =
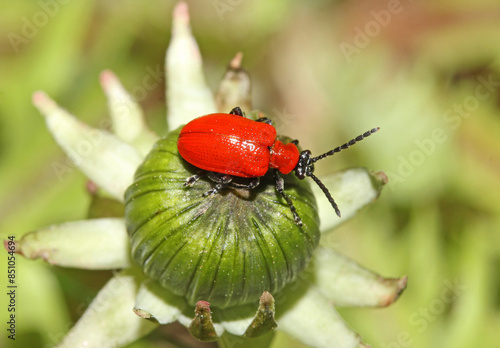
(194, 178)
(280, 187)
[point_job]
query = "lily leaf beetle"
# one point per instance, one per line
(225, 146)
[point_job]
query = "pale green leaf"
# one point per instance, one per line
(188, 95)
(87, 244)
(126, 115)
(314, 321)
(109, 320)
(352, 189)
(105, 159)
(346, 283)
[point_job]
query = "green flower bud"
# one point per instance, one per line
(226, 249)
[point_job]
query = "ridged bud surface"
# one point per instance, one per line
(225, 249)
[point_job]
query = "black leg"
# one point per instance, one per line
(264, 120)
(295, 142)
(280, 186)
(237, 111)
(193, 179)
(222, 181)
(251, 184)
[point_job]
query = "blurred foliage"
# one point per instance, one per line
(328, 70)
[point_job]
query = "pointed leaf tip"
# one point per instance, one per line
(235, 63)
(235, 88)
(127, 116)
(91, 187)
(42, 102)
(102, 244)
(187, 93)
(399, 285)
(15, 248)
(105, 159)
(381, 178)
(107, 79)
(141, 313)
(181, 14)
(346, 283)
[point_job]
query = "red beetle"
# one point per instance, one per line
(228, 145)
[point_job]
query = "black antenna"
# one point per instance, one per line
(334, 151)
(326, 192)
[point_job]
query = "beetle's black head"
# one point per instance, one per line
(304, 166)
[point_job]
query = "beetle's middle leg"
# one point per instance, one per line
(249, 186)
(222, 181)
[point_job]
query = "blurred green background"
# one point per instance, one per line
(426, 72)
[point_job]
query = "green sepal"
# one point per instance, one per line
(202, 327)
(264, 319)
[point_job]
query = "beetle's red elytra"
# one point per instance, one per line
(228, 145)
